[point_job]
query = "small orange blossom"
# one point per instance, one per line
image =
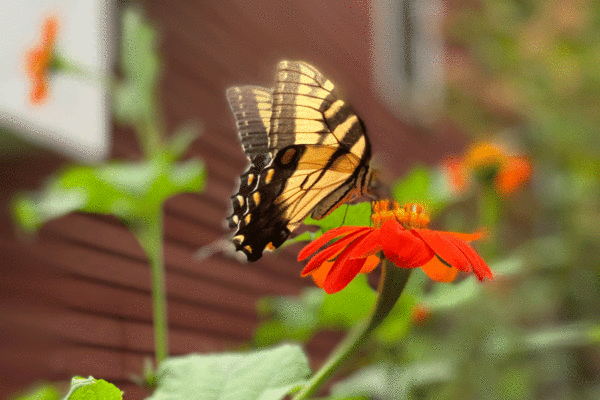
(402, 236)
(39, 59)
(490, 163)
(420, 314)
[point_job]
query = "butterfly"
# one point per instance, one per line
(308, 154)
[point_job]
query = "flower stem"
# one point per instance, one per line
(393, 280)
(151, 239)
(159, 297)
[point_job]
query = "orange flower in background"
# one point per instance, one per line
(420, 314)
(402, 235)
(39, 59)
(512, 175)
(489, 163)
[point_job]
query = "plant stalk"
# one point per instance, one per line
(151, 238)
(392, 283)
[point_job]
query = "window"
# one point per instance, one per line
(408, 54)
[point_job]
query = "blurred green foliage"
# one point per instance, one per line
(41, 391)
(533, 331)
(313, 311)
(538, 71)
(133, 192)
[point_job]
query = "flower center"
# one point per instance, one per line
(410, 216)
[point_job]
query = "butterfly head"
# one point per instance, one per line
(373, 185)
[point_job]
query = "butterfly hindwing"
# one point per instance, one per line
(248, 183)
(251, 106)
(320, 157)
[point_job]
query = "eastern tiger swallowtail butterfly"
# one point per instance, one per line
(308, 154)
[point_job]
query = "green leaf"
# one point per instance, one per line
(292, 318)
(92, 389)
(423, 186)
(444, 297)
(350, 305)
(298, 318)
(182, 139)
(392, 381)
(140, 65)
(271, 332)
(130, 102)
(43, 391)
(139, 58)
(130, 191)
(345, 215)
(234, 376)
(303, 237)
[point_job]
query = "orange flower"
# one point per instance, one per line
(420, 314)
(402, 235)
(483, 154)
(491, 164)
(39, 59)
(512, 175)
(457, 175)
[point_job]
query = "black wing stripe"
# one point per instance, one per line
(281, 98)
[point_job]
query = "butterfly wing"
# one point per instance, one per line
(321, 156)
(251, 108)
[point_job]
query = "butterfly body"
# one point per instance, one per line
(308, 154)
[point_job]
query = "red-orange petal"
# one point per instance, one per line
(338, 278)
(480, 268)
(344, 269)
(49, 30)
(328, 253)
(320, 274)
(39, 92)
(402, 247)
(370, 263)
(468, 237)
(368, 246)
(316, 244)
(438, 271)
(444, 248)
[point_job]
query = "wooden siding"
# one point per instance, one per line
(76, 299)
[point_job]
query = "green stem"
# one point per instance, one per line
(489, 210)
(151, 238)
(393, 280)
(148, 129)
